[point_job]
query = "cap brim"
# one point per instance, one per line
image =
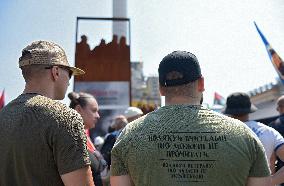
(229, 111)
(253, 108)
(77, 71)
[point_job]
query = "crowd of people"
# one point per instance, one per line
(45, 142)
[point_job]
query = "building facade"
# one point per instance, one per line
(264, 98)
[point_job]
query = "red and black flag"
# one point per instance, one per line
(218, 99)
(2, 99)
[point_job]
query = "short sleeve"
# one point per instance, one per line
(118, 166)
(278, 139)
(259, 166)
(69, 144)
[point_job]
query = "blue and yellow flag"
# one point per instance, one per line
(276, 60)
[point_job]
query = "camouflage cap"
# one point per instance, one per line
(46, 53)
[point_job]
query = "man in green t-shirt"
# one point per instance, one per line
(183, 143)
(42, 140)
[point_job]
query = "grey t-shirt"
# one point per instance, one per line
(41, 139)
(188, 145)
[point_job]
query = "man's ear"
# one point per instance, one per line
(200, 85)
(55, 72)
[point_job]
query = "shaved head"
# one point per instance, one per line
(33, 71)
(280, 105)
(280, 101)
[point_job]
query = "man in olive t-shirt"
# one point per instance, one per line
(42, 141)
(184, 144)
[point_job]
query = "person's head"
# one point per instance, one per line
(103, 42)
(86, 105)
(114, 38)
(132, 113)
(180, 77)
(119, 122)
(84, 38)
(238, 106)
(280, 105)
(98, 142)
(46, 70)
(110, 129)
(122, 40)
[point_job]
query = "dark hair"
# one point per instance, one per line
(79, 99)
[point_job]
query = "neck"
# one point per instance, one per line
(242, 118)
(182, 100)
(42, 90)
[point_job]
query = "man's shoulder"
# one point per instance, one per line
(130, 131)
(233, 126)
(216, 117)
(266, 127)
(48, 110)
(272, 131)
(136, 124)
(257, 124)
(46, 105)
(43, 102)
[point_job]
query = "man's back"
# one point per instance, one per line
(41, 139)
(183, 144)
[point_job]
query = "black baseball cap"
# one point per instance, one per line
(239, 103)
(185, 63)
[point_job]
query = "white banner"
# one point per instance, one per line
(113, 98)
(110, 95)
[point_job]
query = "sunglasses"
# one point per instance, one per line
(70, 72)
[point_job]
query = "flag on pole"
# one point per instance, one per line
(218, 99)
(276, 60)
(2, 99)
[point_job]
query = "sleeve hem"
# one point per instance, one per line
(75, 167)
(278, 146)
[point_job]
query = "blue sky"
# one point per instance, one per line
(220, 32)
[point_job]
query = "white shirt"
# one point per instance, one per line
(270, 138)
